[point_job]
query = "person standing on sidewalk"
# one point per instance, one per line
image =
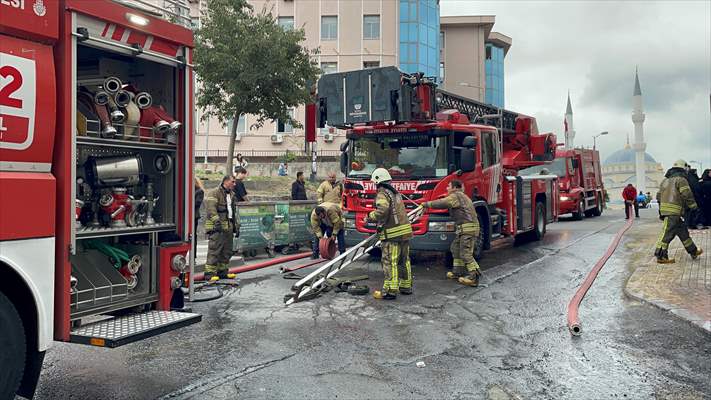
(330, 190)
(395, 232)
(465, 269)
(298, 188)
(629, 194)
(240, 190)
(220, 225)
(674, 198)
(199, 197)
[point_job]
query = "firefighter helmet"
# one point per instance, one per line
(680, 164)
(381, 175)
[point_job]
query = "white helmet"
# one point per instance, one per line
(381, 175)
(680, 164)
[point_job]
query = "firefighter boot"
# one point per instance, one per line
(383, 295)
(696, 254)
(454, 275)
(471, 279)
(406, 290)
(663, 257)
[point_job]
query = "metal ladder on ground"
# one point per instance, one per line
(313, 282)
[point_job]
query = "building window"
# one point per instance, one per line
(241, 125)
(488, 52)
(441, 72)
(285, 127)
(441, 39)
(329, 28)
(371, 64)
(195, 22)
(287, 23)
(371, 27)
(328, 68)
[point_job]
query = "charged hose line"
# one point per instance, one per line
(573, 321)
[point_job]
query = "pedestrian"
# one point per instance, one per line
(641, 199)
(629, 195)
(240, 190)
(395, 232)
(465, 268)
(220, 226)
(298, 188)
(705, 190)
(283, 169)
(239, 161)
(675, 197)
(199, 197)
(330, 190)
(693, 217)
(327, 221)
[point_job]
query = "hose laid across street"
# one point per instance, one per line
(251, 267)
(573, 321)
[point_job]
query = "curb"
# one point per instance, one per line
(682, 314)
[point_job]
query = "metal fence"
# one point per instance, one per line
(266, 153)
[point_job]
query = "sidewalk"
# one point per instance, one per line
(683, 288)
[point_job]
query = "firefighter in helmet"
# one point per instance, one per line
(220, 226)
(675, 197)
(394, 231)
(461, 208)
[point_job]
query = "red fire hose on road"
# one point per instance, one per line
(251, 267)
(573, 321)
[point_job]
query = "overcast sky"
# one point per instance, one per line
(592, 48)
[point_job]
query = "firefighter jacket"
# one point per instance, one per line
(461, 209)
(327, 193)
(334, 219)
(390, 215)
(217, 211)
(675, 194)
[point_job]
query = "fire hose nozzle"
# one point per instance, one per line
(161, 127)
(112, 84)
(123, 98)
(73, 282)
(101, 98)
(144, 100)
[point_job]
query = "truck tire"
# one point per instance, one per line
(539, 225)
(597, 211)
(580, 214)
(479, 244)
(12, 343)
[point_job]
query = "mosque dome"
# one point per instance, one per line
(626, 156)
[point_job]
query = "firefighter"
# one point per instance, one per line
(395, 231)
(220, 226)
(465, 270)
(330, 190)
(327, 220)
(674, 198)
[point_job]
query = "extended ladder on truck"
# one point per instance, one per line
(313, 282)
(502, 119)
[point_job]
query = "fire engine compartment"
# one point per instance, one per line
(126, 178)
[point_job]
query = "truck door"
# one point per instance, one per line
(490, 157)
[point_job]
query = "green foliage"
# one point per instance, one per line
(247, 64)
(288, 157)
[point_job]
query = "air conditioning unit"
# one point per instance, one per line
(328, 137)
(278, 138)
(238, 138)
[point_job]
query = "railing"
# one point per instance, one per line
(176, 11)
(266, 153)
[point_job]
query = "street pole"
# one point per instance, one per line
(596, 136)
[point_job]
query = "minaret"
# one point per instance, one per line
(569, 130)
(639, 145)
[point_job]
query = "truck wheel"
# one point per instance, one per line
(580, 214)
(12, 343)
(539, 225)
(480, 240)
(597, 211)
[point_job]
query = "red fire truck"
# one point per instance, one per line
(425, 138)
(580, 181)
(96, 102)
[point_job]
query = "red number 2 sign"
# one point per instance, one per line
(11, 87)
(18, 88)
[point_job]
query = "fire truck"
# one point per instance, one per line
(582, 192)
(96, 101)
(427, 137)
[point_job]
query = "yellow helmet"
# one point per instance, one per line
(381, 175)
(680, 164)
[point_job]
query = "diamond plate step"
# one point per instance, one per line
(130, 328)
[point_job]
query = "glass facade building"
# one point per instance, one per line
(494, 66)
(419, 36)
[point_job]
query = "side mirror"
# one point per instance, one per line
(344, 146)
(344, 163)
(468, 160)
(469, 142)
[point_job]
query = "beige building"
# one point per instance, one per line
(465, 47)
(353, 35)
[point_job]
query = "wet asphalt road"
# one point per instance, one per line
(505, 340)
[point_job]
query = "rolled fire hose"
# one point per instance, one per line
(125, 99)
(86, 106)
(107, 129)
(152, 126)
(116, 115)
(174, 125)
(81, 124)
(327, 248)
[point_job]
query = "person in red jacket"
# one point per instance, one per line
(630, 196)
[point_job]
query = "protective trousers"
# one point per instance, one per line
(462, 249)
(673, 226)
(396, 265)
(219, 251)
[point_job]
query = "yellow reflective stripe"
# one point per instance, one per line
(472, 266)
(669, 206)
(688, 242)
(382, 202)
(458, 262)
(684, 189)
(395, 252)
(662, 233)
(399, 228)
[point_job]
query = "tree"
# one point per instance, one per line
(247, 64)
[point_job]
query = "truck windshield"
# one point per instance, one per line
(404, 156)
(557, 167)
